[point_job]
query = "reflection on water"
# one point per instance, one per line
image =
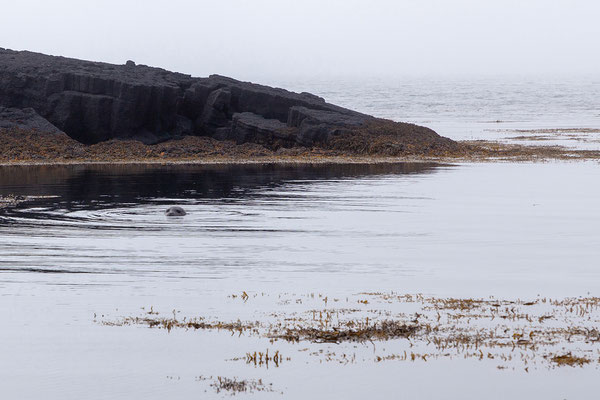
(114, 215)
(102, 246)
(109, 186)
(110, 219)
(265, 222)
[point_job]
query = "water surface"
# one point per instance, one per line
(101, 248)
(511, 109)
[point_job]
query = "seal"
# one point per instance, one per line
(175, 211)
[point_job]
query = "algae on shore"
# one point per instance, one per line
(31, 147)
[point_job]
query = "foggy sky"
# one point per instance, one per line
(342, 38)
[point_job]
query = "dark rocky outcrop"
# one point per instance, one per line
(26, 119)
(314, 124)
(94, 102)
(250, 127)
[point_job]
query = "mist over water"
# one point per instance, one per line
(262, 38)
(89, 246)
(472, 108)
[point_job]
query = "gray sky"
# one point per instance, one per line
(347, 38)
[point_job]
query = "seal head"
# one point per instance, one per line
(175, 211)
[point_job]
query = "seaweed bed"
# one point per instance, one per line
(509, 333)
(32, 147)
(14, 200)
(234, 385)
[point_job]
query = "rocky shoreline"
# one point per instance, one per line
(93, 102)
(31, 147)
(62, 110)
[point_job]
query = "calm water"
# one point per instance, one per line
(96, 247)
(477, 108)
(101, 248)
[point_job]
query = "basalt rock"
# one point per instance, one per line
(26, 119)
(250, 127)
(94, 102)
(320, 125)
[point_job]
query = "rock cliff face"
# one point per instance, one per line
(94, 102)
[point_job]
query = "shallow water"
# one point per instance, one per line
(101, 249)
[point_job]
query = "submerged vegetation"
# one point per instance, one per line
(14, 200)
(194, 323)
(11, 200)
(234, 385)
(508, 333)
(258, 358)
(570, 360)
(350, 331)
(485, 150)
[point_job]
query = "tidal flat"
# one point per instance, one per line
(421, 280)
